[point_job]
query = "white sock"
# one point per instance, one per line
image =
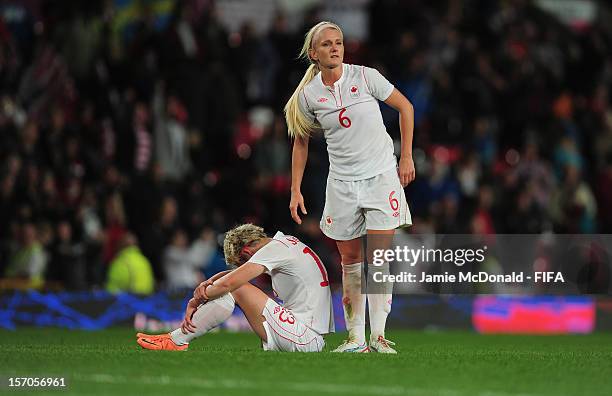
(353, 302)
(206, 317)
(379, 302)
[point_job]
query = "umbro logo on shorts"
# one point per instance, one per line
(328, 222)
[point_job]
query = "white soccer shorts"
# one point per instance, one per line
(353, 207)
(286, 333)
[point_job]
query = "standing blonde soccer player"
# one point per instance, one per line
(364, 194)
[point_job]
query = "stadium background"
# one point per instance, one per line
(163, 119)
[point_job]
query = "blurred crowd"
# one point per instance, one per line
(135, 133)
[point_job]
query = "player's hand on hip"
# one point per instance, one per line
(187, 326)
(297, 200)
(406, 171)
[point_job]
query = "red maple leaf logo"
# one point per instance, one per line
(353, 89)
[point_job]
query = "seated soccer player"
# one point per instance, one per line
(298, 278)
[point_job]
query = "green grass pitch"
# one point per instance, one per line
(441, 363)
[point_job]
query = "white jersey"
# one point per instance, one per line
(299, 279)
(358, 144)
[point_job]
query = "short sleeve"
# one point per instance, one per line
(272, 256)
(377, 84)
(305, 107)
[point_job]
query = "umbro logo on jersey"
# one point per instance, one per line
(322, 100)
(354, 91)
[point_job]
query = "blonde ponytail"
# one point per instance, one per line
(298, 125)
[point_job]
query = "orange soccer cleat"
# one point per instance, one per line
(143, 335)
(160, 342)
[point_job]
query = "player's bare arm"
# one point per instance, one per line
(298, 163)
(232, 281)
(197, 293)
(212, 279)
(400, 103)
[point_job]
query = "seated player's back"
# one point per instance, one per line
(299, 279)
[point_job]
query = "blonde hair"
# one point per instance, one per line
(239, 237)
(298, 125)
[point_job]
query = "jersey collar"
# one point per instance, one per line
(337, 83)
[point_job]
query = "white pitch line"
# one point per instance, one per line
(286, 386)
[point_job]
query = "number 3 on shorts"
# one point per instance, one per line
(344, 121)
(288, 318)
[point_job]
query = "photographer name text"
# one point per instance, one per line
(470, 277)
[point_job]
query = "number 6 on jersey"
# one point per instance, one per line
(344, 120)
